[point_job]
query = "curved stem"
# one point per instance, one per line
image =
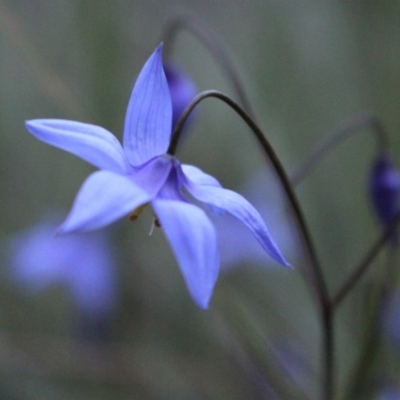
(365, 263)
(336, 137)
(214, 47)
(318, 280)
(318, 283)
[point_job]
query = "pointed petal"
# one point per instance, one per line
(197, 176)
(239, 207)
(148, 118)
(89, 142)
(103, 198)
(193, 240)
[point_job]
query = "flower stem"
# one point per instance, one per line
(329, 351)
(365, 263)
(317, 281)
(377, 299)
(216, 49)
(336, 137)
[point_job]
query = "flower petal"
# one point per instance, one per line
(103, 198)
(239, 207)
(148, 118)
(197, 176)
(193, 240)
(89, 142)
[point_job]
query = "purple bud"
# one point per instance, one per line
(182, 90)
(385, 189)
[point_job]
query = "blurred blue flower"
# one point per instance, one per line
(389, 394)
(141, 172)
(182, 90)
(83, 262)
(237, 247)
(385, 189)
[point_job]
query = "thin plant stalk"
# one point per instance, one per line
(318, 283)
(360, 270)
(336, 137)
(377, 300)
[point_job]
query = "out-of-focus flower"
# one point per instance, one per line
(83, 262)
(141, 172)
(182, 90)
(389, 394)
(237, 247)
(385, 189)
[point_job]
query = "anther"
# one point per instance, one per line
(135, 215)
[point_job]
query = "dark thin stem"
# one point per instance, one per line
(377, 299)
(318, 283)
(329, 351)
(365, 263)
(370, 345)
(215, 48)
(336, 137)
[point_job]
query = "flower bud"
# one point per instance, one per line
(385, 189)
(182, 90)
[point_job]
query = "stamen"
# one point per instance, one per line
(156, 223)
(135, 215)
(152, 228)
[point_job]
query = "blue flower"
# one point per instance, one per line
(83, 262)
(141, 173)
(385, 189)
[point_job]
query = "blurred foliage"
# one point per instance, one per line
(307, 67)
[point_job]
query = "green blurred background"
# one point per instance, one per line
(307, 67)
